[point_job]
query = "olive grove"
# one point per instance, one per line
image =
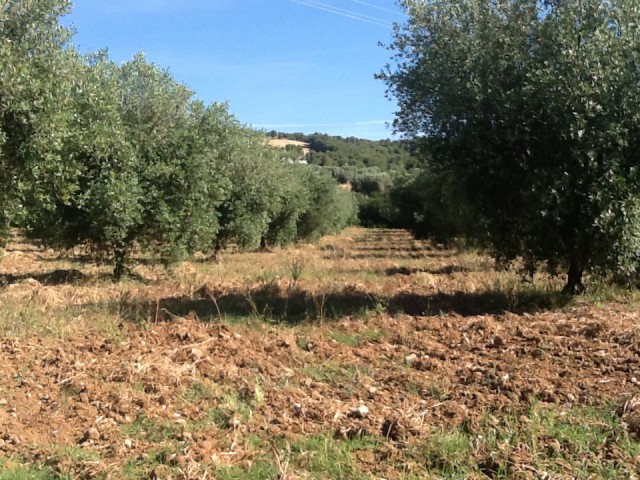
(530, 111)
(123, 158)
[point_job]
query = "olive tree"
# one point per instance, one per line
(254, 185)
(32, 70)
(122, 157)
(293, 202)
(133, 168)
(84, 188)
(174, 147)
(533, 108)
(330, 207)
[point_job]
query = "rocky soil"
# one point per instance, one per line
(176, 395)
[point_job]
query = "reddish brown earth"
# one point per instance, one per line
(217, 394)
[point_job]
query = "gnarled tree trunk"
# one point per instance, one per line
(574, 284)
(120, 258)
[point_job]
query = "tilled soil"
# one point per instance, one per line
(177, 396)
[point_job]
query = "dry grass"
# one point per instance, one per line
(357, 271)
(367, 355)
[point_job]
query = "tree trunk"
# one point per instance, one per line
(215, 256)
(120, 257)
(574, 284)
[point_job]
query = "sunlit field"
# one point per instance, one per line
(368, 355)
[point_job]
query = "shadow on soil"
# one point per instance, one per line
(403, 255)
(67, 277)
(271, 303)
(446, 270)
(54, 277)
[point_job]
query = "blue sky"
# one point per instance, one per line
(288, 65)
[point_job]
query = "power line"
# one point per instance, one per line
(349, 12)
(395, 12)
(343, 12)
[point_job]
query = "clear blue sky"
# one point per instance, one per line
(288, 65)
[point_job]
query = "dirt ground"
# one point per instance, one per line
(369, 355)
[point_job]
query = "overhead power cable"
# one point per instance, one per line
(395, 12)
(343, 12)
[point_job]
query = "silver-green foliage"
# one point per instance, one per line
(31, 68)
(133, 165)
(123, 157)
(330, 207)
(534, 109)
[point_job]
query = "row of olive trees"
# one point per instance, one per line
(531, 112)
(118, 157)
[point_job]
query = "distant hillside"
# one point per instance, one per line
(374, 170)
(285, 143)
(353, 153)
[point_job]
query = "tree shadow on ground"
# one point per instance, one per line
(388, 248)
(54, 277)
(482, 303)
(96, 259)
(22, 248)
(78, 258)
(404, 255)
(67, 277)
(272, 303)
(407, 271)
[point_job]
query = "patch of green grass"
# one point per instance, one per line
(582, 442)
(75, 461)
(13, 470)
(218, 417)
(249, 320)
(357, 339)
(349, 339)
(131, 309)
(600, 292)
(578, 431)
(302, 342)
(374, 305)
(508, 292)
(198, 392)
(28, 317)
(581, 436)
(158, 463)
(234, 407)
(99, 319)
(327, 457)
(334, 373)
(317, 457)
(152, 430)
(629, 446)
(448, 453)
(78, 454)
(267, 277)
(561, 442)
(260, 470)
(375, 334)
(23, 318)
(438, 389)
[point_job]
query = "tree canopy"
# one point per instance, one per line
(369, 168)
(120, 158)
(33, 68)
(532, 110)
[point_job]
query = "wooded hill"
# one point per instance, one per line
(373, 169)
(336, 151)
